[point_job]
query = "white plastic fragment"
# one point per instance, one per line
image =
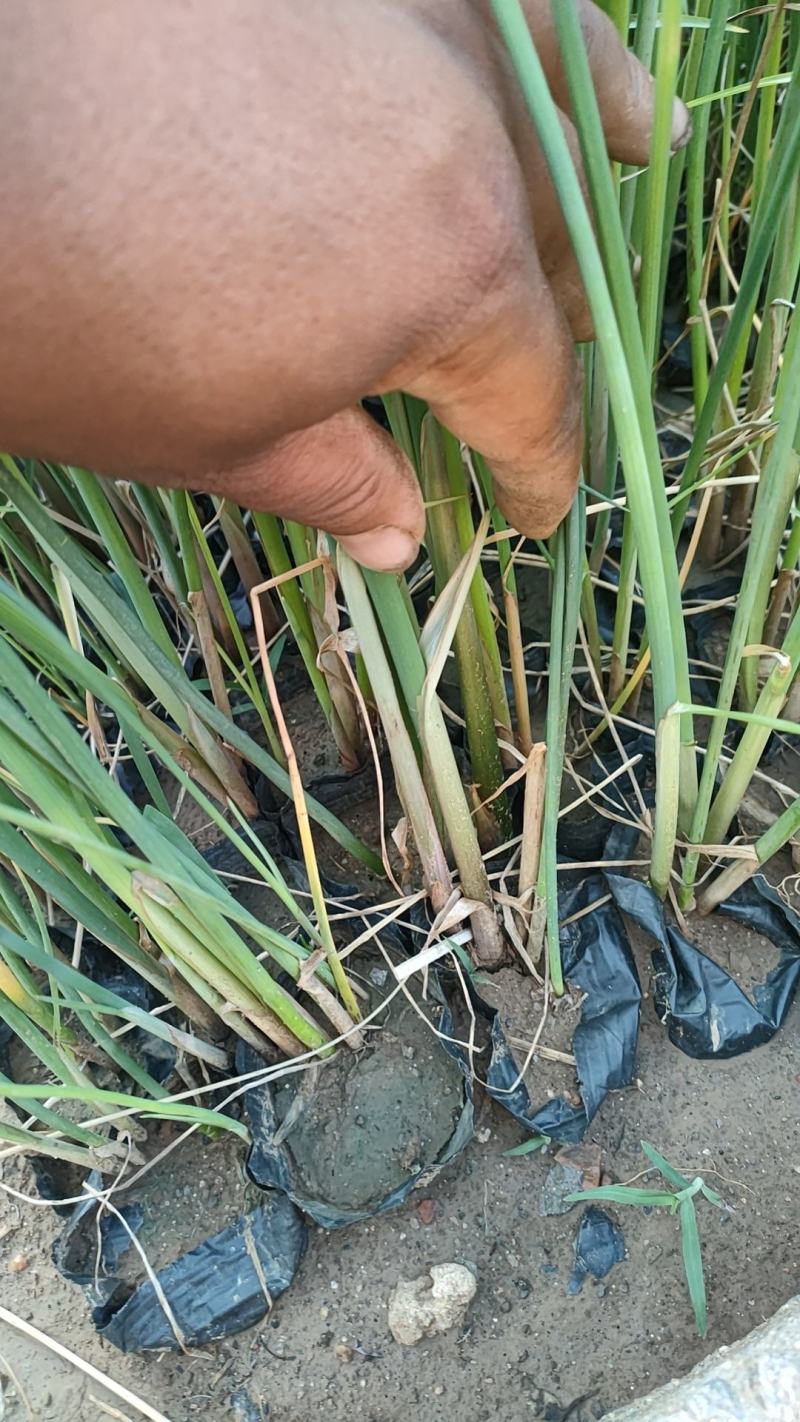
(408, 966)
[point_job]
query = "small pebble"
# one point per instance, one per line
(344, 1352)
(18, 1264)
(560, 1182)
(426, 1211)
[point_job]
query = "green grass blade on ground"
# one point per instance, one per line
(693, 1264)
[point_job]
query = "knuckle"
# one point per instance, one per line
(493, 224)
(475, 190)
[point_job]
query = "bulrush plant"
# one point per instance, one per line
(127, 618)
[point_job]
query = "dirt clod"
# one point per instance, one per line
(433, 1303)
(426, 1211)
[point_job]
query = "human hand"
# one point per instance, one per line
(223, 225)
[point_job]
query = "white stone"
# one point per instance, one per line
(433, 1303)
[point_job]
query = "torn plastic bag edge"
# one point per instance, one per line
(213, 1290)
(706, 1013)
(596, 959)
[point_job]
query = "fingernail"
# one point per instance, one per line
(681, 125)
(386, 549)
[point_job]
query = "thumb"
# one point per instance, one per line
(344, 475)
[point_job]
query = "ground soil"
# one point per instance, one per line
(527, 1350)
(376, 1118)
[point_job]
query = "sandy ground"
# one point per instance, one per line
(528, 1349)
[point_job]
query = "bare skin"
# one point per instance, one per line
(223, 225)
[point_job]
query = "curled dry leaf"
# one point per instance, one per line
(584, 1157)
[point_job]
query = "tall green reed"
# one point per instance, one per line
(134, 575)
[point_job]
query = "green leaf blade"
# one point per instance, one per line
(693, 1264)
(626, 1195)
(527, 1147)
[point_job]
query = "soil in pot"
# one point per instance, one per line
(372, 1119)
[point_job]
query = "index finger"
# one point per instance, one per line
(624, 88)
(512, 390)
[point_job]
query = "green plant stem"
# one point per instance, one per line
(179, 501)
(407, 772)
(293, 603)
(397, 414)
(547, 887)
(446, 552)
(508, 577)
(253, 688)
(159, 528)
(620, 289)
(623, 612)
(566, 605)
(766, 109)
(781, 283)
(105, 521)
(695, 200)
(484, 621)
(567, 547)
(400, 635)
(748, 753)
(785, 828)
(777, 192)
(589, 618)
(655, 182)
(644, 481)
(602, 519)
(174, 689)
(769, 520)
(725, 142)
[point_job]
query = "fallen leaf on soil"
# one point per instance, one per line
(585, 1158)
